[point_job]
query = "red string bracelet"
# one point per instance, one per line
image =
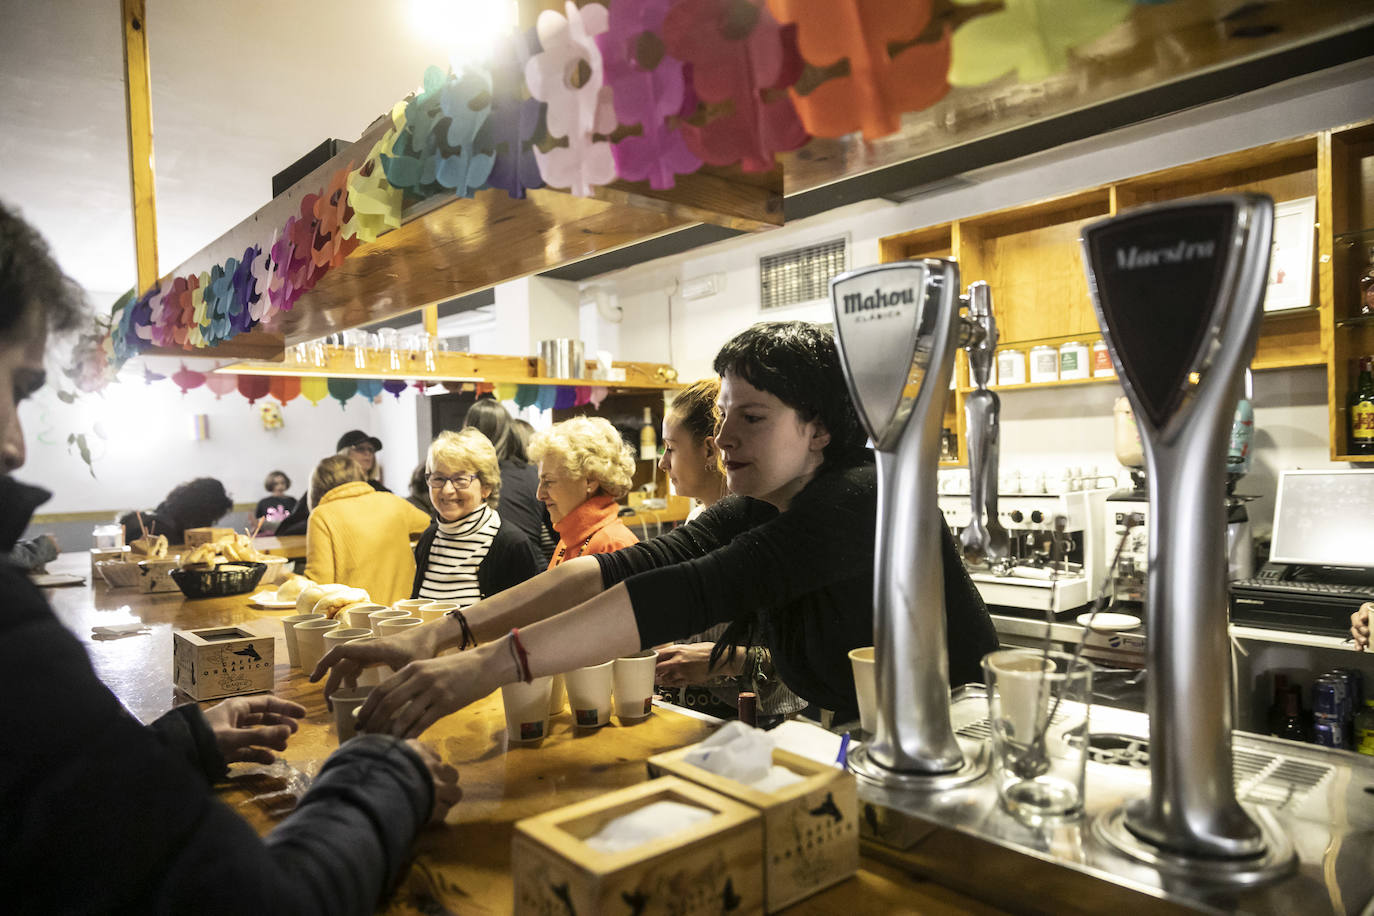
(522, 658)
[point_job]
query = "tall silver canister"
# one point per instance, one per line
(562, 358)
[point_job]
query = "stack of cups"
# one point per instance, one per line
(288, 625)
(376, 617)
(310, 640)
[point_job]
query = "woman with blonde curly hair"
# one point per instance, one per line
(584, 467)
(470, 552)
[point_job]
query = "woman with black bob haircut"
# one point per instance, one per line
(786, 561)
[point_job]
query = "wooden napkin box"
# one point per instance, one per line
(222, 662)
(156, 575)
(100, 554)
(198, 536)
(708, 868)
(810, 828)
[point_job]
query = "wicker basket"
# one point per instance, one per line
(220, 581)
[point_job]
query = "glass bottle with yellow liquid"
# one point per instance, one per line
(1362, 410)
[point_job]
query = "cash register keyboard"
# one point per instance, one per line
(1334, 589)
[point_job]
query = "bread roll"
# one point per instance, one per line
(332, 602)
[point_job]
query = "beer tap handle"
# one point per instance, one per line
(984, 541)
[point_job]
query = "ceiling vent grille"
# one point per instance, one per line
(802, 274)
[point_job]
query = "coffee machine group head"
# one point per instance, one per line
(897, 327)
(1178, 289)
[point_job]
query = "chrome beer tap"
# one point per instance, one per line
(984, 541)
(1178, 289)
(897, 327)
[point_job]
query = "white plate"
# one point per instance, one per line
(269, 600)
(1109, 622)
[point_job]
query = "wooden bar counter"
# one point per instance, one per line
(464, 866)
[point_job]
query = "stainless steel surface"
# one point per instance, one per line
(1316, 802)
(897, 325)
(563, 358)
(1210, 254)
(984, 541)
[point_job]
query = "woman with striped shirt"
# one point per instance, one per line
(467, 554)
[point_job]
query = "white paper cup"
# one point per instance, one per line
(589, 694)
(288, 626)
(340, 635)
(390, 626)
(865, 685)
(527, 709)
(634, 685)
(411, 605)
(371, 677)
(357, 615)
(347, 701)
(1023, 689)
(558, 696)
(435, 610)
(310, 641)
(376, 617)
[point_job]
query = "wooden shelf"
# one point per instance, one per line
(339, 362)
(1030, 256)
(1362, 459)
(1057, 383)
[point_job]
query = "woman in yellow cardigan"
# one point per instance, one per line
(359, 536)
(584, 467)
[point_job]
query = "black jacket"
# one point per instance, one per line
(519, 506)
(802, 579)
(510, 561)
(100, 814)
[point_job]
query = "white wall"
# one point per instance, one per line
(142, 445)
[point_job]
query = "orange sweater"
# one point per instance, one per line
(591, 528)
(360, 537)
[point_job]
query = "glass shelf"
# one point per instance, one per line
(1359, 321)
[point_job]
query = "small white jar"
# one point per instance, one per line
(1073, 360)
(1044, 364)
(1011, 367)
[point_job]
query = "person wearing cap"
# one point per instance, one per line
(363, 449)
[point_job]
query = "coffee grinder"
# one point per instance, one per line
(1178, 289)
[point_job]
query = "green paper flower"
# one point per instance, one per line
(1032, 37)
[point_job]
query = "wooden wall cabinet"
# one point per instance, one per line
(1030, 256)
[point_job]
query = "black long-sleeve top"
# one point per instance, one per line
(100, 814)
(804, 577)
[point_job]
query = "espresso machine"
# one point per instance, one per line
(1180, 809)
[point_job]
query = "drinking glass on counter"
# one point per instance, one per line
(1038, 712)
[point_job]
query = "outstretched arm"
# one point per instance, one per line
(424, 691)
(547, 594)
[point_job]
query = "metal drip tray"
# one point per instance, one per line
(1321, 799)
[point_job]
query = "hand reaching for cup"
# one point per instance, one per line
(1359, 625)
(690, 663)
(446, 790)
(249, 729)
(344, 663)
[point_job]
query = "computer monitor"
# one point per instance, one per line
(1324, 518)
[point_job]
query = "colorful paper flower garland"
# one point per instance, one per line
(645, 91)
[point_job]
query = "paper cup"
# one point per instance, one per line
(411, 605)
(435, 610)
(347, 701)
(558, 696)
(634, 685)
(527, 709)
(589, 694)
(288, 626)
(371, 677)
(357, 615)
(390, 626)
(310, 641)
(340, 635)
(865, 685)
(1023, 688)
(376, 617)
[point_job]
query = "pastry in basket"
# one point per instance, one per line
(150, 546)
(312, 593)
(334, 602)
(204, 555)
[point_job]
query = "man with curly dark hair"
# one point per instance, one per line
(101, 814)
